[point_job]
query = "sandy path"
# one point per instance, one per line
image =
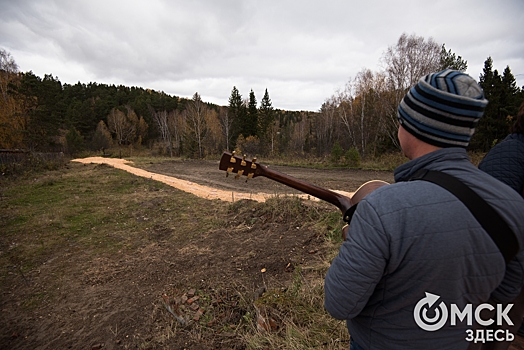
(187, 186)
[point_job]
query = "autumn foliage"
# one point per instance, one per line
(42, 114)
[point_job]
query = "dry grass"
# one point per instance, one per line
(299, 316)
(99, 209)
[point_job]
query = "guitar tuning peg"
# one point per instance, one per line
(237, 177)
(243, 162)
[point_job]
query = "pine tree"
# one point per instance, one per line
(265, 116)
(237, 111)
(512, 96)
(74, 142)
(252, 116)
(448, 60)
(504, 99)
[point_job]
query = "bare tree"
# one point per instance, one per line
(410, 59)
(123, 127)
(196, 113)
(176, 125)
(162, 122)
(299, 134)
(8, 68)
(226, 122)
(345, 101)
(170, 126)
(116, 121)
(369, 88)
(405, 63)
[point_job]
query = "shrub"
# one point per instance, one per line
(352, 157)
(336, 153)
(249, 145)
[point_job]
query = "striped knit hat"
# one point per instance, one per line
(443, 109)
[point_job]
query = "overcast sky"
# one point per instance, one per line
(301, 51)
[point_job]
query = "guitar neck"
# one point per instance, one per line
(242, 167)
(340, 201)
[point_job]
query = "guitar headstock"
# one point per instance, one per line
(240, 166)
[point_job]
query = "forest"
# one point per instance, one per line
(41, 114)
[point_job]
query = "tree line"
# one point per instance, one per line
(363, 115)
(42, 114)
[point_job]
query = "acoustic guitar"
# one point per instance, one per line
(250, 168)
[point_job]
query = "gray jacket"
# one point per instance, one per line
(410, 238)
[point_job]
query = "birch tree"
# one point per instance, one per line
(162, 122)
(405, 63)
(345, 100)
(410, 59)
(196, 113)
(226, 123)
(118, 125)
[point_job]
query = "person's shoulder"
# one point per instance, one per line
(512, 141)
(503, 154)
(397, 188)
(397, 195)
(515, 137)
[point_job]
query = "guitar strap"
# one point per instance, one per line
(349, 213)
(488, 218)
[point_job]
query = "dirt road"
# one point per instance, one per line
(205, 180)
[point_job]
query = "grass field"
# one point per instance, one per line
(93, 256)
(83, 236)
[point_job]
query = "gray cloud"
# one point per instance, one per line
(301, 51)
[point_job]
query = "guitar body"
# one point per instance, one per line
(366, 189)
(242, 167)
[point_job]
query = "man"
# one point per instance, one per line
(414, 254)
(505, 161)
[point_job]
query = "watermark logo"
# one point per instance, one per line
(430, 315)
(439, 318)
